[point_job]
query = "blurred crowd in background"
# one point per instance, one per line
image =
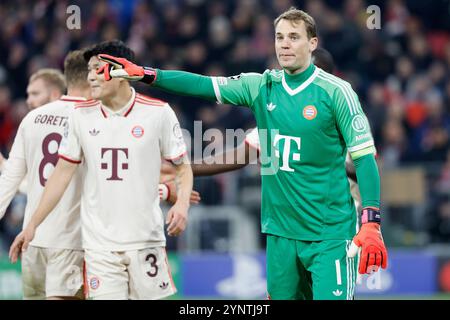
(400, 72)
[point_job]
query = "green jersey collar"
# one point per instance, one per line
(299, 81)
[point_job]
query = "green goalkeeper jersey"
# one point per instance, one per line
(306, 124)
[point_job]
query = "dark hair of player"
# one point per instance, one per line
(114, 48)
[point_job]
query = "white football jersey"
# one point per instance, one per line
(35, 153)
(122, 155)
(23, 185)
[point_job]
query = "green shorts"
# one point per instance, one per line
(319, 270)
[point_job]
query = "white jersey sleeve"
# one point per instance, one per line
(173, 146)
(15, 169)
(252, 139)
(23, 187)
(70, 148)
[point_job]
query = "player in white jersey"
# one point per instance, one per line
(44, 86)
(120, 138)
(52, 265)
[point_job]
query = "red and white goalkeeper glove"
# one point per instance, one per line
(122, 68)
(369, 239)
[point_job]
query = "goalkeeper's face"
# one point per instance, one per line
(292, 46)
(100, 88)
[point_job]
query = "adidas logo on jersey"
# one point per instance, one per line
(164, 285)
(94, 132)
(270, 106)
(337, 292)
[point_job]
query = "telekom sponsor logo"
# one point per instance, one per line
(113, 164)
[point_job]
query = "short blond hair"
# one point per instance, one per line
(295, 15)
(52, 77)
(75, 69)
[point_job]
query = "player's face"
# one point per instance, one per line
(292, 46)
(38, 94)
(100, 88)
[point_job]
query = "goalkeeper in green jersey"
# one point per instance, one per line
(307, 121)
(248, 151)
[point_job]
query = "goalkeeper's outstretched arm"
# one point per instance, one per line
(185, 83)
(177, 82)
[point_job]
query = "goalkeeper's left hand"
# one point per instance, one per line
(122, 68)
(369, 238)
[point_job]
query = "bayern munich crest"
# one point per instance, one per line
(137, 131)
(94, 283)
(309, 112)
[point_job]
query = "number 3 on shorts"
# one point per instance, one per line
(152, 261)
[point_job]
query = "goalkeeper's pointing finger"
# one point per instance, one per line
(117, 63)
